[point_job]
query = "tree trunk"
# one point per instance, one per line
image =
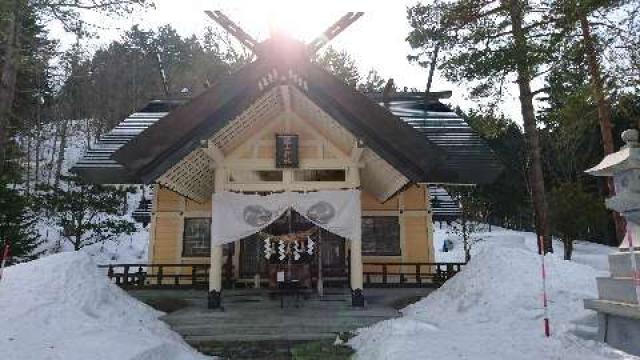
(60, 159)
(38, 147)
(604, 113)
(53, 157)
(8, 76)
(568, 249)
(523, 69)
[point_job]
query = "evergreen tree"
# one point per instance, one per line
(507, 199)
(570, 16)
(86, 213)
(17, 224)
(575, 214)
(372, 83)
(340, 64)
(488, 42)
(14, 35)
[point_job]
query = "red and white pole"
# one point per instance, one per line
(5, 255)
(545, 299)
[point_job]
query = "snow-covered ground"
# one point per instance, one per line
(493, 308)
(62, 307)
(129, 249)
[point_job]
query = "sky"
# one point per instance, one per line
(375, 41)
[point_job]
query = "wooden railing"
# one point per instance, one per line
(408, 274)
(375, 274)
(163, 275)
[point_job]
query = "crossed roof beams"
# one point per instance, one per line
(250, 43)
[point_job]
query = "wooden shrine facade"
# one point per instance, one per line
(229, 139)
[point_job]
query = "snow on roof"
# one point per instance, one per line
(62, 307)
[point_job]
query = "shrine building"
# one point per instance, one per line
(282, 170)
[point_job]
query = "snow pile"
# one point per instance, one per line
(62, 307)
(492, 310)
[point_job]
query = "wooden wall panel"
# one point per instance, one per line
(369, 202)
(168, 200)
(167, 238)
(417, 244)
(415, 197)
(191, 205)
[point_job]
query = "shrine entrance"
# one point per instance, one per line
(289, 238)
(327, 258)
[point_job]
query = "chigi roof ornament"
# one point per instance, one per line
(266, 47)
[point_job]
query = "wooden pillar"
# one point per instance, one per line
(355, 261)
(357, 297)
(215, 277)
(215, 271)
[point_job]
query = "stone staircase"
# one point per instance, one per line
(256, 317)
(617, 305)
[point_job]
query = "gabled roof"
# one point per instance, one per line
(468, 155)
(149, 149)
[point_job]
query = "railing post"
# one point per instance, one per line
(160, 275)
(193, 276)
(384, 273)
(418, 277)
(110, 272)
(140, 276)
(125, 280)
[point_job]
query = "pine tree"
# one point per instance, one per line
(17, 224)
(490, 42)
(340, 64)
(86, 213)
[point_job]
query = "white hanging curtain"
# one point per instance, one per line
(236, 216)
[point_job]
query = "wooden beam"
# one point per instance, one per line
(286, 97)
(333, 31)
(269, 164)
(233, 29)
(356, 152)
(214, 152)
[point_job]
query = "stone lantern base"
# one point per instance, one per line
(617, 305)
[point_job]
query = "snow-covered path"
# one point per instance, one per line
(492, 309)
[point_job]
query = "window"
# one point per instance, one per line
(255, 176)
(380, 235)
(196, 240)
(320, 175)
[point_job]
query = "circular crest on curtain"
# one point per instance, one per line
(321, 212)
(257, 215)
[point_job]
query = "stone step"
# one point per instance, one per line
(201, 341)
(270, 322)
(251, 316)
(617, 289)
(620, 264)
(278, 330)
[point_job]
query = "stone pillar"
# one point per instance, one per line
(357, 297)
(618, 302)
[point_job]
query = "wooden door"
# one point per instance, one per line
(252, 259)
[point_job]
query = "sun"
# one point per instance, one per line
(294, 18)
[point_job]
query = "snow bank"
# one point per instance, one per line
(492, 310)
(62, 307)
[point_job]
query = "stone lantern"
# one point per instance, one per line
(618, 303)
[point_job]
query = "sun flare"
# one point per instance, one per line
(292, 18)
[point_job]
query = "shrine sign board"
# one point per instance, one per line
(287, 151)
